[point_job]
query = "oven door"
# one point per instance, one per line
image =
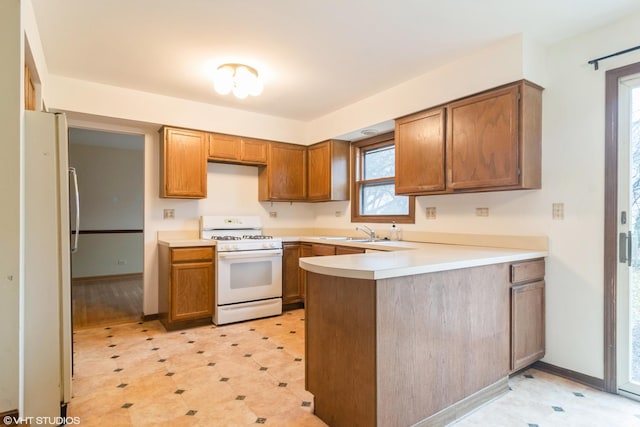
(249, 276)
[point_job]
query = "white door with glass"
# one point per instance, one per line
(628, 316)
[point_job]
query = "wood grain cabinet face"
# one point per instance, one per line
(527, 313)
(254, 151)
(486, 142)
(494, 140)
(236, 149)
(420, 159)
(328, 171)
(183, 163)
(284, 178)
(224, 147)
(292, 274)
(348, 250)
(186, 286)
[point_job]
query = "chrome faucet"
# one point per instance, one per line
(370, 232)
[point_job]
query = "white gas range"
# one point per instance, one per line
(248, 266)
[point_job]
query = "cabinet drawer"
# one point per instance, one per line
(322, 250)
(191, 254)
(527, 271)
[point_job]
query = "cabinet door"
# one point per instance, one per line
(328, 171)
(305, 251)
(527, 324)
(291, 283)
(183, 164)
(482, 141)
(420, 159)
(253, 151)
(285, 176)
(191, 290)
(224, 147)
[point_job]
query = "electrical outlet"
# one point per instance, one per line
(168, 213)
(122, 262)
(273, 214)
(431, 212)
(338, 213)
(482, 211)
(557, 211)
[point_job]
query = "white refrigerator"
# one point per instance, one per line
(45, 320)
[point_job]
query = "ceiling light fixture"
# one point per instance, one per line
(240, 79)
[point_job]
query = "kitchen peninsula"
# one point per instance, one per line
(422, 336)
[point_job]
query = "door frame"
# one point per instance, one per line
(611, 222)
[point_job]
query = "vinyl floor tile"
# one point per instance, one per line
(252, 373)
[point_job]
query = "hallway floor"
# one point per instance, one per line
(250, 373)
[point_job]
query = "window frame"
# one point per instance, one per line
(358, 148)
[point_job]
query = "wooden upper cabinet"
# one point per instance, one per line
(254, 151)
(224, 147)
(236, 149)
(183, 163)
(420, 158)
(328, 171)
(486, 142)
(284, 178)
(494, 139)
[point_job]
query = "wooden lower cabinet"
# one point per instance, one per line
(527, 313)
(348, 250)
(186, 291)
(292, 277)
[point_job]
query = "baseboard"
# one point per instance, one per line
(150, 317)
(9, 415)
(587, 380)
(467, 405)
(108, 277)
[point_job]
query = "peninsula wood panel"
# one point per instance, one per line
(420, 158)
(445, 334)
(342, 335)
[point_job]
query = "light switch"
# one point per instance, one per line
(273, 214)
(482, 211)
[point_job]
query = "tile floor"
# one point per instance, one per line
(253, 373)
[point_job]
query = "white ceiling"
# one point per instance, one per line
(315, 55)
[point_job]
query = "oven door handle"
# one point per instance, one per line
(251, 254)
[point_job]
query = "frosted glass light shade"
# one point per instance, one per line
(240, 79)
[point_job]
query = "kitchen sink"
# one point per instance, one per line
(349, 239)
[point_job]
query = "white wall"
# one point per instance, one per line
(11, 270)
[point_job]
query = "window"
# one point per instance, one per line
(373, 183)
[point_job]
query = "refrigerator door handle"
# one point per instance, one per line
(74, 243)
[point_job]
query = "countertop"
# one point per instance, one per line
(387, 258)
(418, 258)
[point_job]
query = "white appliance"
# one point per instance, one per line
(45, 320)
(248, 268)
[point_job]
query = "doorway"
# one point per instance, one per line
(628, 316)
(107, 269)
